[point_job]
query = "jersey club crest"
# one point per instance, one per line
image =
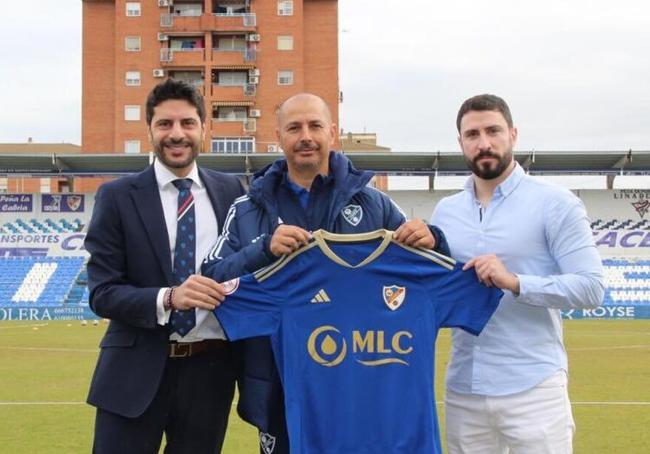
(267, 442)
(353, 214)
(394, 296)
(229, 287)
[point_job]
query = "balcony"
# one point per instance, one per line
(207, 22)
(232, 22)
(231, 128)
(234, 56)
(244, 92)
(182, 57)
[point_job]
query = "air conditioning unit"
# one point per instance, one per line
(254, 113)
(159, 73)
(253, 72)
(273, 148)
(164, 3)
(254, 80)
(163, 36)
(254, 37)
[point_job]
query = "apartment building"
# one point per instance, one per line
(245, 56)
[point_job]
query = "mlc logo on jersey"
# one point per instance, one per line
(394, 296)
(328, 347)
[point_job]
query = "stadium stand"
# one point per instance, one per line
(615, 224)
(40, 281)
(46, 226)
(627, 282)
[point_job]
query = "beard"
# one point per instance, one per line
(489, 171)
(314, 164)
(159, 149)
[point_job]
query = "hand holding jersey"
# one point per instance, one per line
(492, 272)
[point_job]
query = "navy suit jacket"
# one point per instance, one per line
(129, 262)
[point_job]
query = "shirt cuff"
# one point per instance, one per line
(527, 284)
(162, 315)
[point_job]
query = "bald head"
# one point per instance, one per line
(302, 100)
(306, 134)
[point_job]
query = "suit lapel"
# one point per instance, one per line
(146, 198)
(214, 187)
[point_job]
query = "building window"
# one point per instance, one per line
(46, 185)
(233, 145)
(4, 184)
(132, 43)
(231, 113)
(285, 77)
(285, 42)
(188, 9)
(132, 113)
(132, 9)
(132, 78)
(232, 78)
(285, 7)
(229, 7)
(131, 146)
(186, 44)
(229, 43)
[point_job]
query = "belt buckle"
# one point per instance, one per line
(178, 350)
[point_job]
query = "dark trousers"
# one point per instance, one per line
(276, 439)
(191, 407)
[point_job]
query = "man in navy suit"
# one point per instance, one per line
(164, 366)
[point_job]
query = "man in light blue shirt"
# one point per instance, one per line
(507, 388)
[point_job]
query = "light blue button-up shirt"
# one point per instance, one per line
(541, 232)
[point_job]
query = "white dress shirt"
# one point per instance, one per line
(207, 326)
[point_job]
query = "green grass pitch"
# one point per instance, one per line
(45, 369)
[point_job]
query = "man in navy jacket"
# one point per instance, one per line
(151, 378)
(312, 188)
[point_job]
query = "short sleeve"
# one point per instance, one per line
(461, 301)
(249, 310)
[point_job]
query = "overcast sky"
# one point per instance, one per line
(576, 73)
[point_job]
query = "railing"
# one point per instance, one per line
(248, 19)
(250, 89)
(250, 54)
(229, 119)
(196, 83)
(166, 20)
(250, 125)
(166, 55)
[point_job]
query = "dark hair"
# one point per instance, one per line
(175, 89)
(483, 103)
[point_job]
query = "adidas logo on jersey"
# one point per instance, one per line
(321, 297)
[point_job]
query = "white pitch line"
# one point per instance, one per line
(611, 347)
(594, 403)
(23, 326)
(42, 403)
(51, 349)
(610, 403)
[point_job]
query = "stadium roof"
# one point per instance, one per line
(395, 163)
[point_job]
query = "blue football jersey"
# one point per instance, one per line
(353, 321)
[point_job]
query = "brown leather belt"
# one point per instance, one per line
(187, 349)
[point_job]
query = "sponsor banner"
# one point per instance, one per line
(614, 312)
(65, 312)
(608, 240)
(16, 203)
(62, 203)
(42, 244)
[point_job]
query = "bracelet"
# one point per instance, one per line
(169, 301)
